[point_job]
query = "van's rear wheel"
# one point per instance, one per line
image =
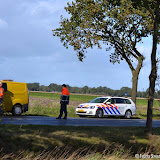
(17, 110)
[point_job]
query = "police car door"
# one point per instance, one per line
(121, 105)
(111, 108)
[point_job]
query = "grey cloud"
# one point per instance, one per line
(30, 25)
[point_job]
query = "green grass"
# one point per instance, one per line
(73, 97)
(49, 111)
(142, 109)
(52, 109)
(27, 138)
(47, 107)
(45, 95)
(145, 102)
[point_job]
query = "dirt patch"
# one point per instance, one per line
(49, 102)
(41, 101)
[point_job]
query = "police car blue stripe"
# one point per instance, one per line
(109, 110)
(117, 110)
(105, 110)
(113, 110)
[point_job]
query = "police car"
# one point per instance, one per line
(106, 106)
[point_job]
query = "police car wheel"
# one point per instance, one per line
(17, 110)
(99, 113)
(128, 114)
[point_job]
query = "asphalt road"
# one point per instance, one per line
(43, 120)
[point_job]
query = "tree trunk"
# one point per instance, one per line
(153, 74)
(134, 86)
(135, 74)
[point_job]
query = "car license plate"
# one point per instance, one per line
(80, 110)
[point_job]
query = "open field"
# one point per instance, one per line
(48, 104)
(113, 142)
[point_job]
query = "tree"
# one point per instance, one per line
(85, 89)
(116, 23)
(124, 90)
(152, 7)
(154, 11)
(43, 88)
(33, 86)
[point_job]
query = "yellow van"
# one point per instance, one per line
(16, 97)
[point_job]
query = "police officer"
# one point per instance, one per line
(64, 101)
(1, 99)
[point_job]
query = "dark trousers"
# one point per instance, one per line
(1, 100)
(63, 109)
(1, 106)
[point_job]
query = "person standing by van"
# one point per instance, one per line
(64, 101)
(1, 99)
(1, 94)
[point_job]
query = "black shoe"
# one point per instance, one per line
(58, 118)
(64, 118)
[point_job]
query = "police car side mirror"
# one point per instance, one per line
(108, 102)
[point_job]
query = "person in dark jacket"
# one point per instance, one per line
(64, 101)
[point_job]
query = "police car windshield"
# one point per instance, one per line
(98, 100)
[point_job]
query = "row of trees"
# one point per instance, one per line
(89, 90)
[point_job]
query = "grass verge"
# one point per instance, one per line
(18, 140)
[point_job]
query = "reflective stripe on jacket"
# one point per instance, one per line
(1, 92)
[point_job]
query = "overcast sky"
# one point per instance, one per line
(29, 53)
